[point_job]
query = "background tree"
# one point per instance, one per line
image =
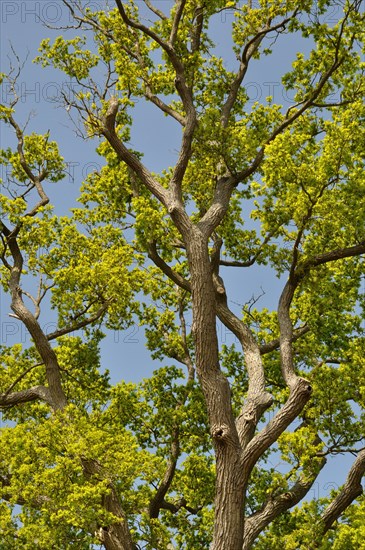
(181, 459)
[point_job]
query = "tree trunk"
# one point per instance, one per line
(230, 489)
(116, 536)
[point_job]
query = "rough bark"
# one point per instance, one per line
(25, 396)
(349, 492)
(228, 525)
(236, 445)
(117, 535)
(56, 393)
(276, 505)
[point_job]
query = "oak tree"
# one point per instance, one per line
(186, 458)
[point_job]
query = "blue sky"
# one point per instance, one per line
(158, 137)
(153, 133)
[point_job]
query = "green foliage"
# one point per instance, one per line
(48, 456)
(118, 259)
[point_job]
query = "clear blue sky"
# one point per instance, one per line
(158, 137)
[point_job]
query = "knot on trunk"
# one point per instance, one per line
(303, 386)
(249, 415)
(220, 432)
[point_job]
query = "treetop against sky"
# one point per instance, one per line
(192, 169)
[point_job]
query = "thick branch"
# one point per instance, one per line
(333, 255)
(180, 4)
(297, 273)
(116, 536)
(171, 199)
(25, 396)
(166, 269)
(127, 156)
(349, 492)
(218, 209)
(185, 149)
(258, 399)
(299, 396)
(286, 331)
(183, 90)
(17, 305)
(256, 523)
(197, 31)
(246, 338)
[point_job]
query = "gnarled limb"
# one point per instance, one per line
(116, 536)
(57, 395)
(300, 393)
(35, 393)
(170, 199)
(273, 507)
(257, 399)
(349, 492)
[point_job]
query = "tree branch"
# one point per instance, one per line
(19, 378)
(273, 507)
(196, 33)
(116, 536)
(333, 255)
(251, 261)
(258, 399)
(249, 50)
(181, 86)
(314, 94)
(25, 396)
(148, 90)
(175, 507)
(180, 4)
(300, 393)
(163, 106)
(35, 179)
(166, 269)
(275, 344)
(158, 499)
(79, 325)
(108, 130)
(349, 492)
(40, 340)
(183, 90)
(155, 10)
(297, 273)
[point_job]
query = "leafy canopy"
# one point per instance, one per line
(80, 454)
